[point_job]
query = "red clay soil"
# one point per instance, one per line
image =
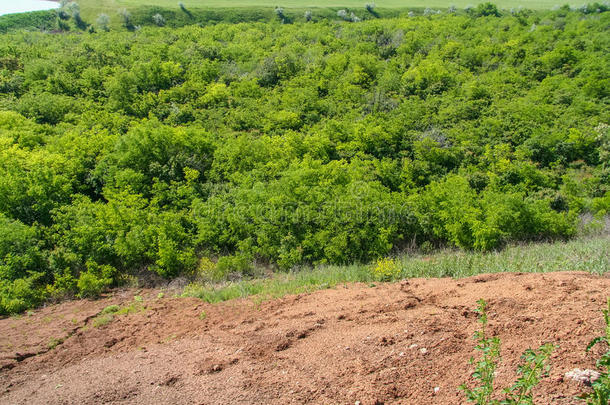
(406, 343)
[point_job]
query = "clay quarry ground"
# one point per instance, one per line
(388, 343)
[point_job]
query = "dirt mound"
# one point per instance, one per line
(405, 343)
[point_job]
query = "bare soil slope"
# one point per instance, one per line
(392, 343)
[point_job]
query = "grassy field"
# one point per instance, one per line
(92, 8)
(585, 254)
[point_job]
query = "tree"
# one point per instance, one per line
(103, 21)
(158, 20)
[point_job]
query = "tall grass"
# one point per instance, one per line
(586, 254)
(279, 285)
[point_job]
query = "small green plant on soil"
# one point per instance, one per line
(484, 368)
(107, 314)
(102, 320)
(535, 366)
(110, 309)
(54, 342)
(135, 306)
(600, 394)
(203, 315)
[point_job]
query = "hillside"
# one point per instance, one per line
(229, 151)
(353, 4)
(308, 202)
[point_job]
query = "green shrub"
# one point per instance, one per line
(453, 211)
(386, 269)
(45, 108)
(601, 205)
(239, 264)
(208, 270)
(174, 256)
(485, 368)
(487, 9)
(111, 309)
(18, 295)
(102, 320)
(95, 280)
(64, 285)
(19, 250)
(428, 77)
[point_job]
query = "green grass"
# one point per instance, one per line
(115, 4)
(281, 284)
(102, 320)
(54, 342)
(111, 309)
(107, 314)
(591, 255)
(92, 8)
(586, 254)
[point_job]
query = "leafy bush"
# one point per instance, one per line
(452, 210)
(64, 285)
(111, 309)
(45, 108)
(19, 295)
(20, 253)
(158, 20)
(386, 269)
(240, 264)
(207, 270)
(428, 77)
(95, 280)
(601, 205)
(485, 368)
(487, 9)
(103, 22)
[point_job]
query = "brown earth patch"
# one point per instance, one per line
(392, 343)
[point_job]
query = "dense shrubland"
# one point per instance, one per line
(209, 150)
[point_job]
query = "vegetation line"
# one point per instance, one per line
(584, 254)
